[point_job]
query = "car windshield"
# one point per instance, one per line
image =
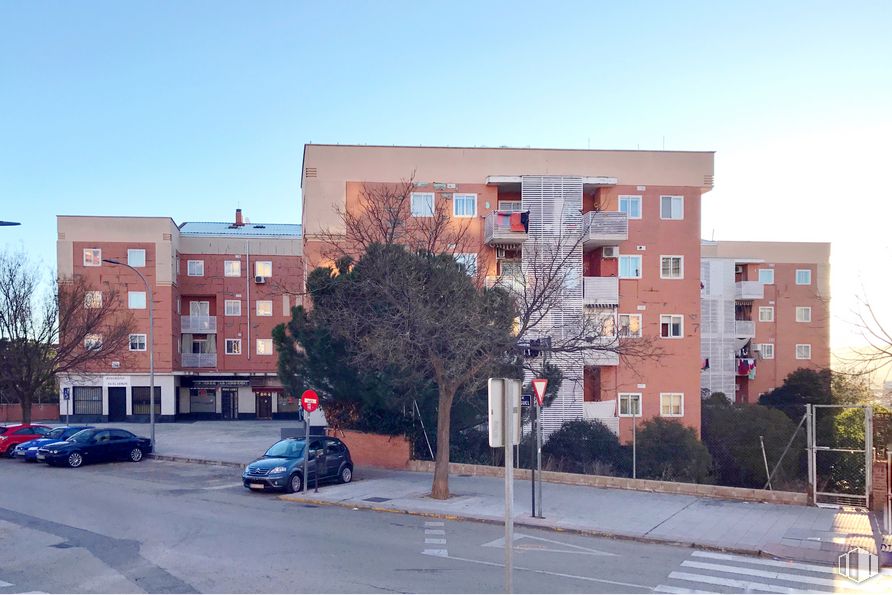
(287, 449)
(55, 433)
(82, 436)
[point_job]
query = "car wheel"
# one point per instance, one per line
(295, 484)
(136, 455)
(346, 474)
(75, 459)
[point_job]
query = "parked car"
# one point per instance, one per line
(94, 446)
(27, 451)
(11, 436)
(282, 466)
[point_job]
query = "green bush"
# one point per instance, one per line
(582, 446)
(670, 451)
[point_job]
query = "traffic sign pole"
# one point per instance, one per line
(309, 401)
(539, 386)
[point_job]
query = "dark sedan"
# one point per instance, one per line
(27, 451)
(94, 446)
(282, 466)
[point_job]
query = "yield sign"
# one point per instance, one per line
(539, 385)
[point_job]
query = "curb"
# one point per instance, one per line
(526, 524)
(194, 461)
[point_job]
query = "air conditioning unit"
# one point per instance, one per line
(610, 252)
(738, 269)
(259, 280)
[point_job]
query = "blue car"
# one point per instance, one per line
(27, 451)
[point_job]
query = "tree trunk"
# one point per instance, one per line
(440, 487)
(25, 402)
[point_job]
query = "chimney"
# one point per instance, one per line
(238, 218)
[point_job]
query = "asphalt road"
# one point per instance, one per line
(175, 528)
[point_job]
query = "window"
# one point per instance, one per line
(511, 268)
(672, 207)
(467, 260)
(232, 268)
(671, 404)
(630, 404)
(287, 403)
(422, 204)
(766, 313)
(140, 395)
(136, 300)
(803, 313)
(671, 267)
(512, 206)
(600, 323)
(233, 346)
(766, 276)
(264, 346)
(202, 400)
(464, 205)
(136, 257)
(87, 400)
(803, 351)
(92, 257)
(232, 307)
(199, 308)
(137, 342)
(93, 299)
(671, 326)
(630, 325)
(263, 268)
(630, 266)
(767, 350)
(195, 268)
(803, 276)
(631, 206)
(264, 307)
(93, 342)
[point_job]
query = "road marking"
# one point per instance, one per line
(782, 576)
(668, 589)
(437, 541)
(736, 584)
(435, 537)
(764, 562)
(435, 532)
(434, 523)
(439, 553)
(576, 549)
(4, 584)
(223, 487)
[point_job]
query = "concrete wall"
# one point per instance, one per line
(375, 450)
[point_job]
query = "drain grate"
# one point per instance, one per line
(377, 499)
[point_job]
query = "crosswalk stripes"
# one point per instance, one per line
(4, 585)
(435, 535)
(711, 572)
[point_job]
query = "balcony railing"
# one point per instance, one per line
(744, 328)
(602, 411)
(749, 290)
(498, 229)
(605, 228)
(600, 291)
(199, 360)
(510, 283)
(198, 324)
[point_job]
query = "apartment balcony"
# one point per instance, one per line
(509, 283)
(600, 291)
(602, 353)
(201, 325)
(749, 290)
(501, 229)
(199, 360)
(604, 228)
(602, 411)
(744, 329)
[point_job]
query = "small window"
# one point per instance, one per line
(631, 206)
(136, 300)
(672, 207)
(803, 351)
(803, 313)
(511, 206)
(263, 268)
(766, 276)
(671, 326)
(601, 322)
(195, 268)
(137, 342)
(803, 276)
(264, 307)
(630, 404)
(92, 257)
(671, 267)
(767, 350)
(136, 257)
(93, 342)
(671, 404)
(422, 204)
(232, 268)
(232, 307)
(630, 325)
(93, 299)
(766, 313)
(233, 346)
(264, 346)
(630, 266)
(468, 261)
(464, 205)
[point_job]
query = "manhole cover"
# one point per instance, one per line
(376, 499)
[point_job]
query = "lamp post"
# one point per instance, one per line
(151, 344)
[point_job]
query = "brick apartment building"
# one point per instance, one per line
(638, 267)
(218, 291)
(766, 312)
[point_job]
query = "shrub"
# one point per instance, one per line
(670, 451)
(582, 446)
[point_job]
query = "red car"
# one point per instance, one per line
(18, 433)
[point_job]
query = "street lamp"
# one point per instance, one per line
(151, 344)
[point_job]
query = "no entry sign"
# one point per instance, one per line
(309, 401)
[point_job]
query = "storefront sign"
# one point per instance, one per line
(116, 381)
(216, 383)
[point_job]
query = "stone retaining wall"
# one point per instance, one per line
(375, 450)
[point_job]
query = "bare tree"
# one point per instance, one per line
(877, 352)
(63, 329)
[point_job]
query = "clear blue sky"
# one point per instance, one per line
(189, 109)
